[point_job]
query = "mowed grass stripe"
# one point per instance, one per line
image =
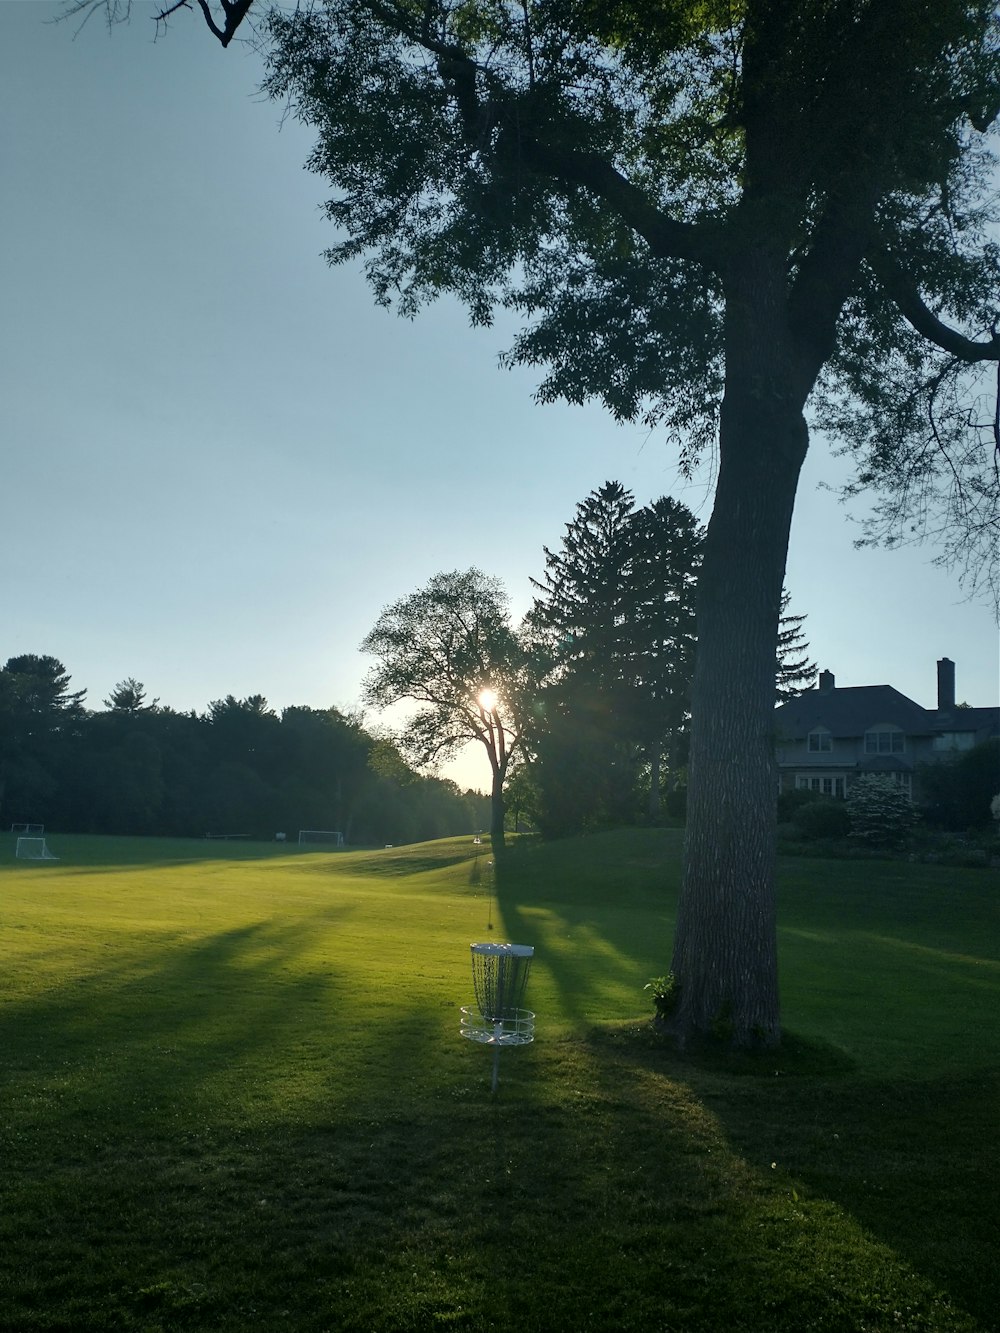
(234, 1096)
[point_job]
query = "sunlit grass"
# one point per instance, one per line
(234, 1096)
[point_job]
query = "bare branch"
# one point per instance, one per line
(120, 11)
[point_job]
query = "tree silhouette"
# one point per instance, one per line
(450, 649)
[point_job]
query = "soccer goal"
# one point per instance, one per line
(36, 829)
(320, 835)
(33, 849)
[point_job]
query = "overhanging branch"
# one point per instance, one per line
(903, 291)
(666, 237)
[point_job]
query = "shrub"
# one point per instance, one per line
(880, 811)
(665, 992)
(792, 800)
(956, 793)
(822, 818)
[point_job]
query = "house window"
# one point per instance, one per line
(820, 741)
(887, 740)
(955, 740)
(826, 786)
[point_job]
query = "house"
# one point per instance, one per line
(828, 736)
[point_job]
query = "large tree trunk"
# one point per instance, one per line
(725, 945)
(497, 812)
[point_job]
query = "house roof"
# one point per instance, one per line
(852, 711)
(985, 722)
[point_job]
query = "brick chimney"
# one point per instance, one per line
(826, 681)
(946, 684)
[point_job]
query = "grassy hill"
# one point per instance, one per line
(234, 1097)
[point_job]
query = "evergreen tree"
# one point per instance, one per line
(129, 696)
(615, 615)
(579, 616)
(40, 718)
(666, 555)
(794, 672)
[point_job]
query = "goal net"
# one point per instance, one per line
(320, 835)
(33, 849)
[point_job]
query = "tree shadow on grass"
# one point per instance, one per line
(233, 1134)
(600, 931)
(592, 1192)
(911, 1161)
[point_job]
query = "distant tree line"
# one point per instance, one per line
(139, 767)
(583, 711)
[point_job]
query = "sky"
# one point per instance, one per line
(221, 460)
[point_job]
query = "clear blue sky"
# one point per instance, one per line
(220, 460)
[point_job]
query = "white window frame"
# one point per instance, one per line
(827, 784)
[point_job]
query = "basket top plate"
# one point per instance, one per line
(504, 950)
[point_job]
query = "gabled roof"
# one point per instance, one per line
(851, 712)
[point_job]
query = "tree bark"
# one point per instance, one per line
(497, 813)
(725, 944)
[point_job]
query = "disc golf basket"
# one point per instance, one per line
(499, 975)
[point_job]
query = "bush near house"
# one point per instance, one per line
(880, 811)
(822, 817)
(956, 795)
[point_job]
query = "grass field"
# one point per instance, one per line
(234, 1097)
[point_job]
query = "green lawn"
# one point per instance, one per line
(234, 1097)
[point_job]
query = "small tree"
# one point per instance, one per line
(450, 649)
(880, 810)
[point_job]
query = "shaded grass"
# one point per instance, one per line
(234, 1097)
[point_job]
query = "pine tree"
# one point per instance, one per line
(794, 672)
(666, 553)
(616, 622)
(578, 618)
(583, 733)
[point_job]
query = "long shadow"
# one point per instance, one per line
(912, 1161)
(601, 1188)
(610, 927)
(246, 1135)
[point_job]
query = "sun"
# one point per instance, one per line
(487, 700)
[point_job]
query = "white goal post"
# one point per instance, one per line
(33, 849)
(320, 835)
